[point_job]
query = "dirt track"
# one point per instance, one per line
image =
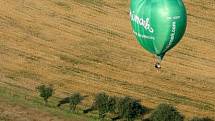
(89, 47)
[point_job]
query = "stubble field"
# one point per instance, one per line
(87, 46)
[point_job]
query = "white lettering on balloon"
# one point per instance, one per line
(141, 21)
(172, 35)
(144, 36)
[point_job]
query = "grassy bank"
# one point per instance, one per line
(20, 97)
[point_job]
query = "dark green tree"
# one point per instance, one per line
(74, 100)
(104, 104)
(112, 104)
(101, 102)
(165, 112)
(129, 109)
(201, 119)
(45, 92)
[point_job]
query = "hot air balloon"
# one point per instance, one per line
(158, 24)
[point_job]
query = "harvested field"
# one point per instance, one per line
(88, 46)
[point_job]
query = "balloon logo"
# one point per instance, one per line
(158, 24)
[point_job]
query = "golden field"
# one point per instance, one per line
(88, 46)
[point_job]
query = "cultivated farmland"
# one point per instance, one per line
(87, 46)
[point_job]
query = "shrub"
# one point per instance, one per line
(165, 112)
(45, 92)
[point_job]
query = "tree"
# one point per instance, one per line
(165, 112)
(74, 100)
(45, 92)
(104, 104)
(201, 119)
(112, 104)
(129, 109)
(126, 108)
(101, 102)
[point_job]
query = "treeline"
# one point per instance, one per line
(118, 108)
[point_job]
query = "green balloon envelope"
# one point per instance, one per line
(158, 24)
